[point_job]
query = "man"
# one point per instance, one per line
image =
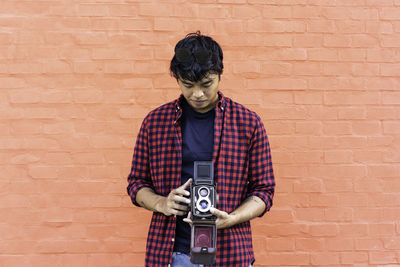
(202, 125)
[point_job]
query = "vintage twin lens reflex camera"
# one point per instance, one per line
(203, 243)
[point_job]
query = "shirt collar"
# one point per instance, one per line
(219, 107)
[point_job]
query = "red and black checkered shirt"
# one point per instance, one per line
(242, 164)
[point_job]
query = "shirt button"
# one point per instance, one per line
(173, 239)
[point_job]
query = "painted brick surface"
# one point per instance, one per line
(77, 78)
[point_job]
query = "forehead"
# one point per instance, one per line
(206, 78)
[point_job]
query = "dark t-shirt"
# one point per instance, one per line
(197, 145)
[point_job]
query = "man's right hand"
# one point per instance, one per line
(172, 204)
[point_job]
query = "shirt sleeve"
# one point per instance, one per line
(139, 175)
(261, 174)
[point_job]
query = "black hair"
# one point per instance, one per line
(190, 69)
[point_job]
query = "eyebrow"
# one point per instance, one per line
(190, 83)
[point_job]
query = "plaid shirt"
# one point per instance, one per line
(242, 164)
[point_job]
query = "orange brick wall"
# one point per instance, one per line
(77, 78)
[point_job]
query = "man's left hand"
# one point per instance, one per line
(224, 220)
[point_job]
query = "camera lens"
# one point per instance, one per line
(203, 192)
(203, 204)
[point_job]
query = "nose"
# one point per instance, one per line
(198, 93)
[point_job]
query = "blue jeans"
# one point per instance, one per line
(182, 260)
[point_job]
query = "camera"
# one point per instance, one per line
(203, 243)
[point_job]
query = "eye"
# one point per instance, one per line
(206, 85)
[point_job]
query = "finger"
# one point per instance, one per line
(181, 191)
(178, 213)
(178, 198)
(187, 219)
(219, 213)
(179, 207)
(182, 188)
(185, 185)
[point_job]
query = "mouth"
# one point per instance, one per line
(198, 102)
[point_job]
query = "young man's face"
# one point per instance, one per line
(202, 96)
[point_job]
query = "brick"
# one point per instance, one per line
(338, 156)
(246, 12)
(340, 244)
(167, 24)
(368, 244)
(11, 83)
(323, 83)
(287, 259)
(91, 38)
(392, 243)
(337, 128)
(339, 13)
(291, 54)
(388, 69)
(277, 83)
(338, 40)
(123, 10)
(278, 40)
(277, 12)
(156, 9)
(307, 68)
(308, 12)
(353, 98)
(336, 69)
(381, 55)
(379, 27)
(247, 67)
(310, 244)
(324, 200)
(282, 230)
(382, 229)
(214, 12)
(353, 230)
(389, 13)
(118, 68)
(382, 257)
(80, 259)
(325, 258)
(323, 230)
(352, 113)
(346, 185)
(391, 214)
(339, 214)
(280, 244)
(105, 24)
(350, 26)
(309, 128)
(308, 185)
(353, 54)
(309, 214)
(320, 26)
(57, 67)
(365, 69)
(100, 10)
(43, 172)
(353, 257)
(390, 41)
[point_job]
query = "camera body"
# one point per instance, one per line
(203, 243)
